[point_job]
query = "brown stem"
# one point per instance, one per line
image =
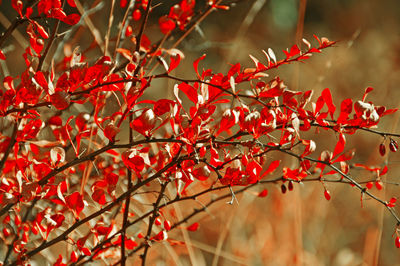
(142, 26)
(16, 22)
(10, 146)
(88, 157)
(152, 220)
(49, 44)
(127, 202)
(62, 237)
(16, 237)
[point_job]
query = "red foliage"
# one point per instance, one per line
(83, 143)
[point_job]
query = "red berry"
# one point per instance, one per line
(283, 188)
(290, 186)
(382, 149)
(393, 146)
(397, 242)
(369, 185)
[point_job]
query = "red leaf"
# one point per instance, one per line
(71, 3)
(346, 107)
(339, 145)
(167, 225)
(327, 195)
(175, 59)
(383, 171)
(60, 100)
(59, 261)
(162, 106)
(272, 167)
(348, 155)
(389, 111)
(190, 92)
(392, 202)
(75, 202)
(369, 185)
(72, 19)
(112, 179)
(99, 196)
(43, 33)
(74, 256)
(86, 251)
(193, 227)
(41, 79)
(378, 185)
(293, 51)
(123, 3)
(367, 90)
(326, 94)
(130, 244)
(273, 92)
(110, 131)
(263, 193)
(160, 236)
(196, 64)
(37, 44)
(166, 24)
(132, 161)
(136, 15)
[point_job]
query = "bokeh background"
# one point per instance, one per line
(299, 227)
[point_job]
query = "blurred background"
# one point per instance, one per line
(299, 227)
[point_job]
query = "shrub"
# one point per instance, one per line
(92, 161)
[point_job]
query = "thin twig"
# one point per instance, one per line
(49, 44)
(127, 202)
(13, 139)
(45, 244)
(156, 207)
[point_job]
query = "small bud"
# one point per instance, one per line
(290, 186)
